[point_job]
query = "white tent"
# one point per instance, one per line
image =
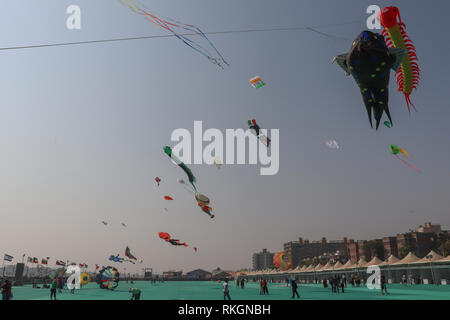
(410, 258)
(391, 260)
(433, 256)
(374, 262)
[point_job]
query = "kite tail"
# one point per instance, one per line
(407, 163)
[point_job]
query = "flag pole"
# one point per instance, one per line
(3, 266)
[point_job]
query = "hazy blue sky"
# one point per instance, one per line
(82, 130)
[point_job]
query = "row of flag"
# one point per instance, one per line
(44, 261)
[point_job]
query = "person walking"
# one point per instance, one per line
(226, 292)
(294, 289)
(53, 287)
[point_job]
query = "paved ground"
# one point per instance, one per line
(208, 290)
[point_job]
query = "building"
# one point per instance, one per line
(172, 275)
(390, 246)
(303, 249)
(262, 260)
(433, 228)
(198, 274)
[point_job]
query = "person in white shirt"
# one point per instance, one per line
(226, 292)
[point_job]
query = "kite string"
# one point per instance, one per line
(407, 163)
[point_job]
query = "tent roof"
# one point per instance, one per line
(391, 260)
(348, 265)
(328, 266)
(337, 265)
(374, 262)
(361, 263)
(433, 257)
(410, 258)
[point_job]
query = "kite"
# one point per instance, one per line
(195, 249)
(116, 258)
(332, 144)
(128, 254)
(108, 278)
(140, 261)
(105, 223)
(158, 180)
(176, 27)
(166, 209)
(396, 150)
(256, 130)
(256, 82)
(217, 162)
(175, 242)
(181, 181)
(192, 180)
(369, 62)
(168, 198)
(164, 236)
(387, 124)
(206, 209)
(282, 260)
(408, 75)
(123, 224)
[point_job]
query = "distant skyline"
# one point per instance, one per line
(82, 131)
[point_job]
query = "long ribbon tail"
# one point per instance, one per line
(407, 163)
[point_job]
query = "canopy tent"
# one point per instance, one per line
(430, 257)
(348, 265)
(374, 262)
(361, 263)
(337, 265)
(391, 260)
(410, 258)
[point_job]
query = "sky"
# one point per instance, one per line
(82, 129)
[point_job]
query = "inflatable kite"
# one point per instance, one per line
(158, 180)
(396, 150)
(369, 62)
(168, 198)
(191, 177)
(408, 75)
(108, 278)
(282, 261)
(256, 130)
(256, 82)
(115, 258)
(175, 242)
(187, 33)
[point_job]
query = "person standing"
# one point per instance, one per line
(242, 283)
(60, 285)
(135, 293)
(6, 290)
(265, 289)
(260, 287)
(226, 293)
(383, 285)
(53, 287)
(294, 289)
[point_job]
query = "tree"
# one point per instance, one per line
(444, 248)
(403, 252)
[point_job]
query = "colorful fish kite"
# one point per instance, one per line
(395, 150)
(192, 180)
(203, 203)
(175, 242)
(369, 62)
(184, 32)
(256, 82)
(158, 180)
(256, 130)
(408, 75)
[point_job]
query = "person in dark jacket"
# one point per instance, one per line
(294, 289)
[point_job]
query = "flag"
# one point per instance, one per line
(8, 257)
(97, 266)
(81, 265)
(44, 261)
(29, 260)
(35, 260)
(60, 263)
